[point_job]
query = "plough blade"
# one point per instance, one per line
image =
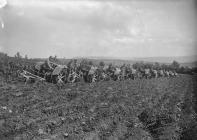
(29, 75)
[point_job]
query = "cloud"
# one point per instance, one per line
(110, 28)
(3, 3)
(63, 4)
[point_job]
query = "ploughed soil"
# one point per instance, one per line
(146, 109)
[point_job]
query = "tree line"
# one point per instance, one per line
(4, 58)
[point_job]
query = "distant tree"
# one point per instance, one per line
(18, 55)
(75, 61)
(175, 65)
(50, 57)
(55, 58)
(90, 63)
(148, 65)
(84, 62)
(110, 65)
(101, 63)
(164, 67)
(194, 70)
(134, 65)
(157, 66)
(185, 70)
(138, 65)
(26, 57)
(3, 56)
(181, 69)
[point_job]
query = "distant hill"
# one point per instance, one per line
(180, 59)
(190, 61)
(193, 64)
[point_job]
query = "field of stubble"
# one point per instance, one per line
(162, 108)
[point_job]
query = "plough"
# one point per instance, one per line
(53, 65)
(72, 77)
(27, 75)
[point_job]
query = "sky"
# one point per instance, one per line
(111, 28)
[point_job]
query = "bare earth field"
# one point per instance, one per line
(146, 109)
